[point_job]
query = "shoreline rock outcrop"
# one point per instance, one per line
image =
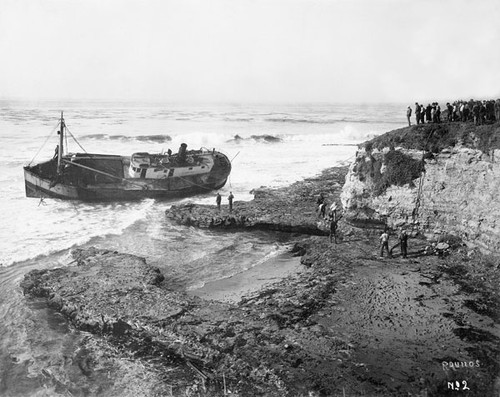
(290, 209)
(250, 348)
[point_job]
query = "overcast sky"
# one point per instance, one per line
(250, 50)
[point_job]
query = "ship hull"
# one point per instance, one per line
(42, 182)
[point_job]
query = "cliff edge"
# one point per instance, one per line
(441, 180)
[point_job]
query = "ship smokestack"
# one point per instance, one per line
(182, 152)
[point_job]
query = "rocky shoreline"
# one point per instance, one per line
(291, 209)
(349, 324)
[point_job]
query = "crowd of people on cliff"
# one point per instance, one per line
(479, 112)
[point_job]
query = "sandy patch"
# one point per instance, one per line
(232, 289)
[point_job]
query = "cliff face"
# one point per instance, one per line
(459, 192)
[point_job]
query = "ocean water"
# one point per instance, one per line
(269, 145)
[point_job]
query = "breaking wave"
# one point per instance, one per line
(293, 120)
(154, 138)
(258, 138)
(141, 138)
(71, 225)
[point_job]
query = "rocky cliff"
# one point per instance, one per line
(441, 180)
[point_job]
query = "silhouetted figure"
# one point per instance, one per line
(218, 200)
(334, 221)
(403, 241)
(449, 108)
(182, 153)
(408, 115)
(417, 113)
(428, 113)
(230, 199)
(475, 112)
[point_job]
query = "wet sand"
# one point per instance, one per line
(250, 281)
(406, 320)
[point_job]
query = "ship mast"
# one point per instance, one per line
(60, 151)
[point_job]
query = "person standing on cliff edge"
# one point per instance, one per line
(417, 113)
(230, 199)
(408, 115)
(218, 200)
(497, 109)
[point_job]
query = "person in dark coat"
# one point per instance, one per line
(230, 199)
(334, 221)
(449, 108)
(218, 200)
(475, 113)
(428, 113)
(403, 241)
(490, 110)
(497, 110)
(438, 113)
(408, 115)
(417, 113)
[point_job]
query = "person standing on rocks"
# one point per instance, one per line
(403, 241)
(230, 199)
(321, 205)
(322, 210)
(384, 243)
(408, 115)
(218, 200)
(334, 220)
(332, 214)
(321, 199)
